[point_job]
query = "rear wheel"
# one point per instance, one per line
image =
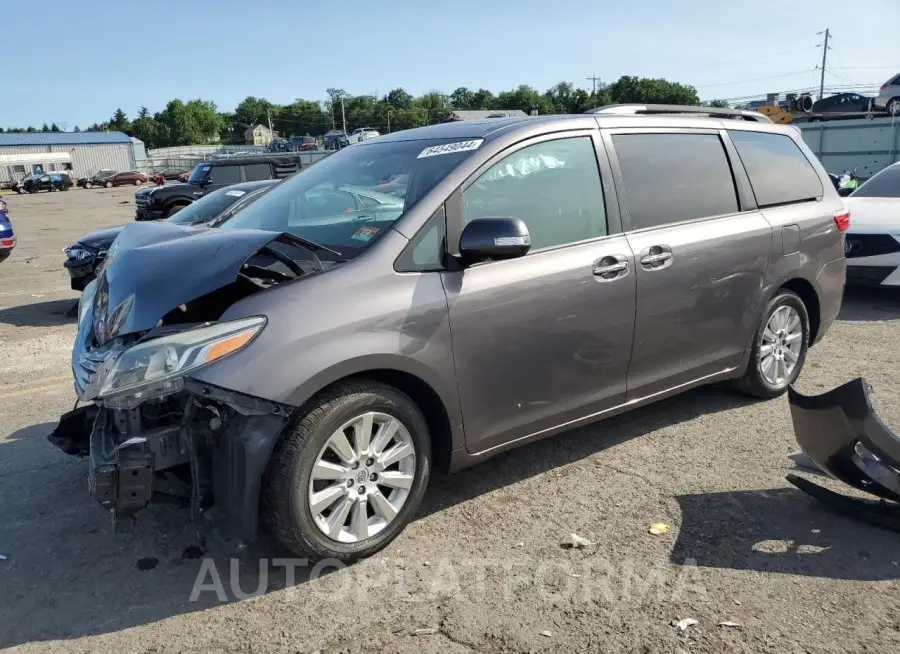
(88, 185)
(779, 347)
(138, 182)
(109, 184)
(893, 106)
(347, 479)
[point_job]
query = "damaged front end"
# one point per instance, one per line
(842, 437)
(149, 429)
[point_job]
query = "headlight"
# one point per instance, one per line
(159, 366)
(78, 253)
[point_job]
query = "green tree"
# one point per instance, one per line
(462, 99)
(483, 99)
(651, 91)
(30, 129)
(45, 128)
(399, 99)
(54, 127)
(146, 128)
(119, 122)
(718, 103)
(77, 129)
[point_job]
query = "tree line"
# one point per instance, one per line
(198, 122)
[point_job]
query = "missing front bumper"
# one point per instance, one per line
(844, 438)
(213, 457)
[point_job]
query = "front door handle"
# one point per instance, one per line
(656, 257)
(610, 267)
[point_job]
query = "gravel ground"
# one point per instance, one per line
(486, 566)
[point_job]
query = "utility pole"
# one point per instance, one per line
(824, 59)
(594, 79)
(343, 116)
(389, 121)
(269, 118)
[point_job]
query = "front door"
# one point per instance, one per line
(542, 340)
(701, 257)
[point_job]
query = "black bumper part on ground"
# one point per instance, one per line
(840, 432)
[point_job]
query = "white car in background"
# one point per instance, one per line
(872, 243)
(363, 134)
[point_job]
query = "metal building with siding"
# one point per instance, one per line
(88, 153)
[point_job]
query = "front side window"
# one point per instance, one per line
(674, 177)
(553, 186)
(211, 205)
(779, 172)
(225, 175)
(342, 202)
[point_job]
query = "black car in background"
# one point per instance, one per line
(45, 182)
(85, 257)
(97, 179)
(165, 201)
(842, 103)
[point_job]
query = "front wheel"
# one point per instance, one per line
(779, 347)
(88, 185)
(109, 184)
(347, 479)
(138, 182)
(173, 210)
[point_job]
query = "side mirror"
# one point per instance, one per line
(844, 192)
(486, 239)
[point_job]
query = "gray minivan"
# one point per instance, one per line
(439, 295)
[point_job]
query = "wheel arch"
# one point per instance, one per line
(444, 425)
(807, 293)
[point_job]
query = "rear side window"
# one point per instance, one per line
(884, 184)
(225, 175)
(779, 171)
(257, 172)
(674, 177)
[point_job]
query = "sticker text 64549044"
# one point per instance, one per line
(450, 148)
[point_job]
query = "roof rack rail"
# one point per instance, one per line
(650, 109)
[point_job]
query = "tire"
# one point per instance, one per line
(88, 185)
(893, 106)
(20, 191)
(754, 381)
(288, 485)
(174, 209)
(109, 184)
(138, 182)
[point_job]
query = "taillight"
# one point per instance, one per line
(842, 220)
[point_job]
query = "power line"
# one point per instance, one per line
(766, 56)
(757, 79)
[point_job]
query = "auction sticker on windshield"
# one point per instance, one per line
(450, 148)
(235, 194)
(364, 233)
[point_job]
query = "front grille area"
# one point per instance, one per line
(869, 245)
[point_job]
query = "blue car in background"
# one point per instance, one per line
(7, 237)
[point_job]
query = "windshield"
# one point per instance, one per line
(349, 200)
(210, 206)
(884, 184)
(198, 173)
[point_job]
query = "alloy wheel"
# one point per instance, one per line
(782, 343)
(362, 477)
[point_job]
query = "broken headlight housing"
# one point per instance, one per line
(158, 366)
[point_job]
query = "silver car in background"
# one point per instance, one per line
(889, 96)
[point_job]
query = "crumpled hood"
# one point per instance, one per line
(154, 268)
(102, 238)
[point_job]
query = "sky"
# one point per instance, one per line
(146, 53)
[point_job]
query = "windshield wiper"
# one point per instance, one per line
(305, 242)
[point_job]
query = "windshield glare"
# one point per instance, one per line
(210, 206)
(348, 201)
(884, 184)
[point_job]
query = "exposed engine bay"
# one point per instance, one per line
(841, 437)
(150, 431)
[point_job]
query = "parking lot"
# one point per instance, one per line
(487, 566)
